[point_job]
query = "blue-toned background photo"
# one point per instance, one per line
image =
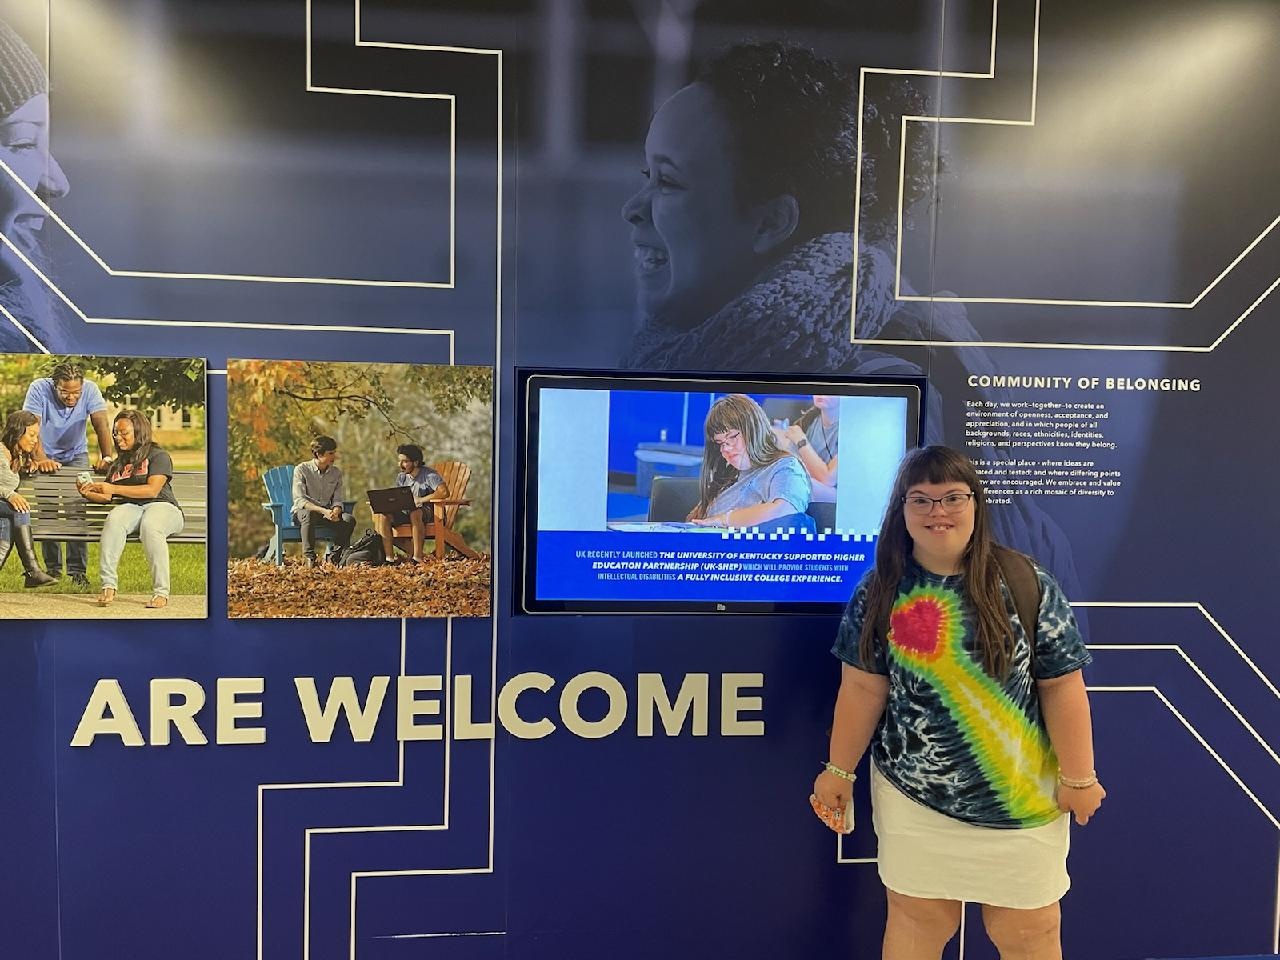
(1063, 214)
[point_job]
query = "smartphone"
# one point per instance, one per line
(841, 821)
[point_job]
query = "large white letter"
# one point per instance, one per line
(651, 694)
(107, 713)
(613, 718)
(182, 714)
(507, 713)
(464, 728)
(732, 703)
(343, 700)
(231, 709)
(409, 707)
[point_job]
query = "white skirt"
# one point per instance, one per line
(923, 853)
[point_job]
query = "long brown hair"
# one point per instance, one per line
(14, 427)
(738, 412)
(937, 464)
(142, 444)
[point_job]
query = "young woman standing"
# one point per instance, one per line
(978, 725)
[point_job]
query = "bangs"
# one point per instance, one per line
(937, 465)
(718, 421)
(729, 413)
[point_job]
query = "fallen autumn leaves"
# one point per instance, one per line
(454, 587)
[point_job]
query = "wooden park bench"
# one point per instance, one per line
(58, 512)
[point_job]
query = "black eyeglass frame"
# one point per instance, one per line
(968, 497)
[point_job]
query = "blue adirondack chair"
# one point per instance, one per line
(279, 484)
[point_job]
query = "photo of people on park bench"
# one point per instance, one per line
(103, 487)
(358, 489)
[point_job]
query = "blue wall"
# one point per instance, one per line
(220, 208)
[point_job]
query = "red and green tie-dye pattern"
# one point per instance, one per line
(926, 637)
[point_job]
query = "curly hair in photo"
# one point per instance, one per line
(793, 118)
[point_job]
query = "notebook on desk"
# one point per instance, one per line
(661, 526)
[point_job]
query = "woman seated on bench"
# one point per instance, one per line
(138, 483)
(747, 480)
(18, 443)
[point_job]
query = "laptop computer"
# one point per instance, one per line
(392, 500)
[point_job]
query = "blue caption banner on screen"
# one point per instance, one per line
(620, 566)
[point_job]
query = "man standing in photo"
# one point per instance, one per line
(317, 498)
(67, 404)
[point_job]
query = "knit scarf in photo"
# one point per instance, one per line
(795, 318)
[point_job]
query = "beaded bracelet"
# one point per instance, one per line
(842, 774)
(1082, 784)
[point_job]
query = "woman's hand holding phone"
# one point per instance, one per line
(832, 801)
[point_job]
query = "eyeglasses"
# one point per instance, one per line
(729, 439)
(922, 505)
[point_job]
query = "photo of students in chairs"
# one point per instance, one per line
(358, 489)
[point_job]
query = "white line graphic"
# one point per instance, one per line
(269, 278)
(1203, 677)
(415, 828)
(1189, 605)
(1235, 778)
(493, 660)
(23, 330)
(1199, 739)
(263, 788)
(428, 936)
(120, 321)
(1030, 121)
(255, 278)
(487, 868)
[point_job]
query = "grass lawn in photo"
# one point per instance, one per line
(187, 572)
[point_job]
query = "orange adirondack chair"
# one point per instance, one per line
(440, 527)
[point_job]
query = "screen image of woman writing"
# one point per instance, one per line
(747, 480)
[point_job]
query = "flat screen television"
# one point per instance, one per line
(614, 516)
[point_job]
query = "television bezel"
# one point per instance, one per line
(529, 381)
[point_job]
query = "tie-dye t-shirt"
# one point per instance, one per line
(951, 737)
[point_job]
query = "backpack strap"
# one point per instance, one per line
(1020, 577)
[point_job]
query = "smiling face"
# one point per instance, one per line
(694, 247)
(68, 391)
(407, 466)
(122, 431)
(24, 149)
(939, 538)
(733, 447)
(29, 438)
